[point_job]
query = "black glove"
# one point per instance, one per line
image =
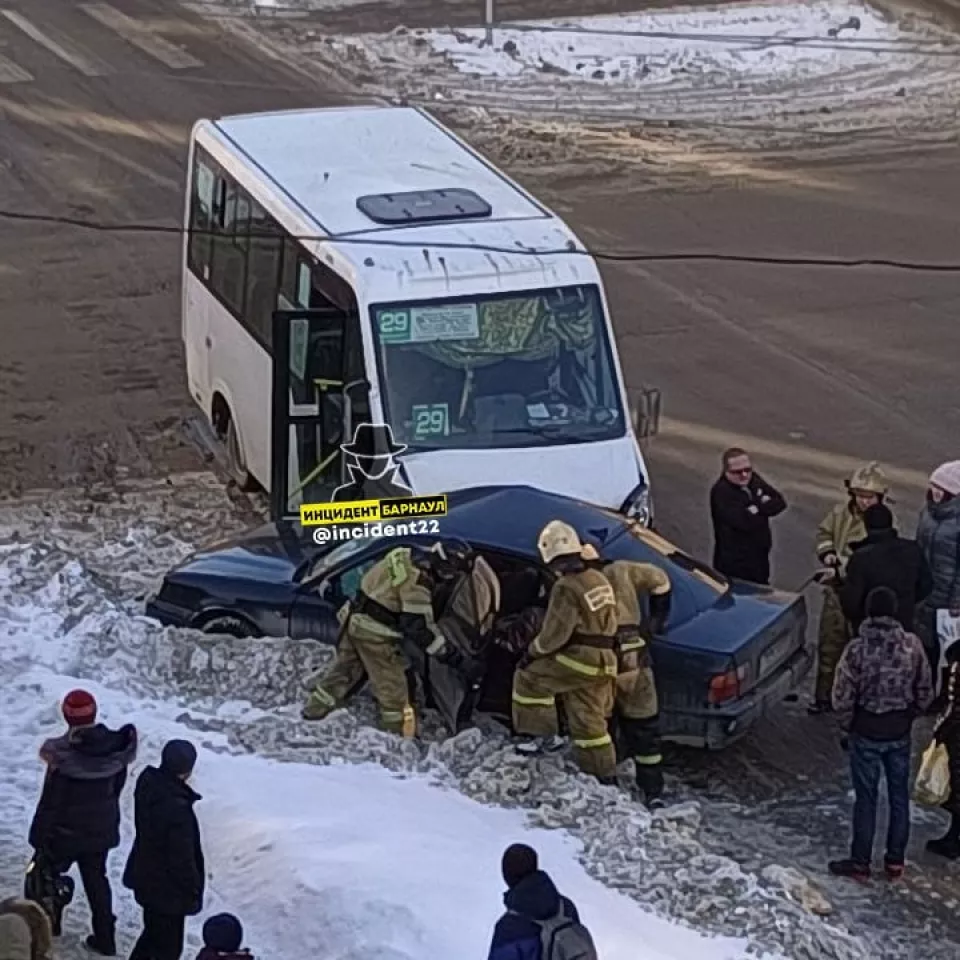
(526, 658)
(449, 655)
(660, 612)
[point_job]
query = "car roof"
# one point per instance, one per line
(510, 518)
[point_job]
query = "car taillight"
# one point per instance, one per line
(726, 686)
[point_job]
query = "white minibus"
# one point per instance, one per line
(423, 289)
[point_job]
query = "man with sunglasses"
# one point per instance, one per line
(741, 505)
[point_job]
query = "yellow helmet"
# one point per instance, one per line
(870, 478)
(558, 539)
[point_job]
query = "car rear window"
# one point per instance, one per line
(679, 566)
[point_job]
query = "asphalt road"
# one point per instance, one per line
(811, 369)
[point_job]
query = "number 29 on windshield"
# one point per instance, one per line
(430, 420)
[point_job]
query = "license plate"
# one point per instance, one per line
(774, 655)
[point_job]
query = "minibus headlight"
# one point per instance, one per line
(639, 505)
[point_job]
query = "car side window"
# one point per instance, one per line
(347, 584)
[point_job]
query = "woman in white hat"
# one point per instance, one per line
(938, 534)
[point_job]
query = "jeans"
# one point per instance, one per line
(867, 759)
(162, 937)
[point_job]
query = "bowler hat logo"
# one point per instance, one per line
(371, 441)
(372, 471)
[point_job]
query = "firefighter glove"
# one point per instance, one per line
(659, 612)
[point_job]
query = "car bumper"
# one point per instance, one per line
(716, 728)
(167, 614)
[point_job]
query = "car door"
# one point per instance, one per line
(314, 611)
(451, 691)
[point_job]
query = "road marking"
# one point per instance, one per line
(140, 36)
(75, 60)
(11, 73)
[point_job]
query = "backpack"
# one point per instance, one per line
(564, 939)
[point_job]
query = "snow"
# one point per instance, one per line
(770, 77)
(757, 41)
(334, 837)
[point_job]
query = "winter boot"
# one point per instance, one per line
(103, 946)
(319, 705)
(892, 871)
(948, 846)
(650, 785)
(819, 707)
(528, 746)
(850, 869)
(945, 847)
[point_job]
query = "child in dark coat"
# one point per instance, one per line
(222, 939)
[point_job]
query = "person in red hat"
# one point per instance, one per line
(77, 820)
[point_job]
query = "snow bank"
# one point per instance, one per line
(311, 847)
(764, 76)
(647, 49)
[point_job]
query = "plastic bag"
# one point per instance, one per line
(933, 779)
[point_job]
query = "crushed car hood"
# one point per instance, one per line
(269, 554)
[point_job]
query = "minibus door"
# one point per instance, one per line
(310, 414)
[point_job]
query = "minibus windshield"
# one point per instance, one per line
(519, 369)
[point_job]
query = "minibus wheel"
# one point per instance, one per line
(236, 468)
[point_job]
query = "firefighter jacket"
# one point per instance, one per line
(476, 598)
(841, 527)
(395, 600)
(580, 626)
(629, 580)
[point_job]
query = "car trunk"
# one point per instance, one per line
(782, 638)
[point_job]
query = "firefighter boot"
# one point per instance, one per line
(319, 705)
(530, 746)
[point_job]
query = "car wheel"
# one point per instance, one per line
(235, 465)
(230, 626)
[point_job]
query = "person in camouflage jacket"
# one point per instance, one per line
(883, 683)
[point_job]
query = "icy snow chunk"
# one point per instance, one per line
(799, 887)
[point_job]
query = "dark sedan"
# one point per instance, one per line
(731, 649)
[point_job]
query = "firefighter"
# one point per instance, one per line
(636, 707)
(842, 527)
(572, 657)
(393, 606)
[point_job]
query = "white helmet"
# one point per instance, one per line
(558, 539)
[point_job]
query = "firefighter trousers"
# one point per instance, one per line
(636, 711)
(587, 699)
(832, 639)
(379, 659)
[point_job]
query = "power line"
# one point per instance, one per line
(605, 255)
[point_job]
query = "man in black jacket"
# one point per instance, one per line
(166, 869)
(741, 505)
(884, 559)
(77, 820)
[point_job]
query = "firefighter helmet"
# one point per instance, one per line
(558, 539)
(869, 478)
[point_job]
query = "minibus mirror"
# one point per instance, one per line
(645, 406)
